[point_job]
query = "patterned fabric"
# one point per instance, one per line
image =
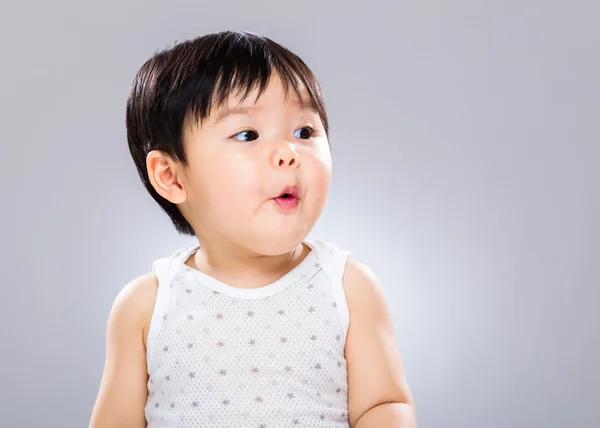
(221, 356)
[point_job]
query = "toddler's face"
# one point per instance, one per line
(243, 157)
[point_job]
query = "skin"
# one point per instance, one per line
(239, 159)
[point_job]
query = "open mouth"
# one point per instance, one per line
(288, 198)
(290, 192)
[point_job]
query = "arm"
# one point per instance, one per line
(378, 396)
(122, 396)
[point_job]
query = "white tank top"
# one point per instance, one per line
(221, 356)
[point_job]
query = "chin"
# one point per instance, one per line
(276, 243)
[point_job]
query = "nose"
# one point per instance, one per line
(285, 156)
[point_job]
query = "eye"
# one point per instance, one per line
(304, 133)
(246, 136)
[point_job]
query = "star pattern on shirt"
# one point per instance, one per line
(299, 339)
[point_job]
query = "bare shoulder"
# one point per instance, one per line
(122, 394)
(361, 285)
(378, 391)
(134, 304)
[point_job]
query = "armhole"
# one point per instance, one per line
(339, 267)
(334, 263)
(161, 269)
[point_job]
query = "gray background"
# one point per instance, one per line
(466, 149)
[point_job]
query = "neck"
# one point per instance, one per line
(242, 268)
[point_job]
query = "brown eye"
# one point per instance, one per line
(304, 133)
(246, 136)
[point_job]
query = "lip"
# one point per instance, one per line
(291, 191)
(290, 201)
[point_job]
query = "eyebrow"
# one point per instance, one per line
(246, 111)
(231, 111)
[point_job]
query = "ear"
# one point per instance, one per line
(165, 177)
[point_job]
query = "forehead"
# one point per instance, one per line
(275, 90)
(274, 94)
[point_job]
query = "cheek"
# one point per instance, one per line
(222, 180)
(318, 173)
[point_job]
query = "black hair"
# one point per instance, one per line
(188, 80)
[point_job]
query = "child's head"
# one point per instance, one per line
(218, 127)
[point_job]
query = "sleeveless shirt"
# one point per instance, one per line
(273, 356)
